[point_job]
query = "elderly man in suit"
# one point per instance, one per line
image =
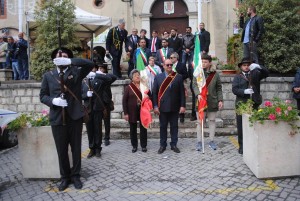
(66, 111)
(130, 47)
(114, 45)
(168, 101)
(163, 53)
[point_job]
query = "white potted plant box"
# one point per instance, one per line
(269, 150)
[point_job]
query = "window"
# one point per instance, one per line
(2, 9)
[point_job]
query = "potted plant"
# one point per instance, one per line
(226, 68)
(36, 145)
(271, 144)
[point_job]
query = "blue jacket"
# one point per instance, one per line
(296, 83)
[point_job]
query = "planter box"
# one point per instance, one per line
(269, 150)
(38, 153)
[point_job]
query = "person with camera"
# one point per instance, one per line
(61, 92)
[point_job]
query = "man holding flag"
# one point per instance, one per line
(208, 90)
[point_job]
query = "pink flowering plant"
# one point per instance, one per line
(275, 110)
(27, 120)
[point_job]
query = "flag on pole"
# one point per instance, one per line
(200, 77)
(146, 104)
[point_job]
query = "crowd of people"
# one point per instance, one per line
(13, 55)
(157, 69)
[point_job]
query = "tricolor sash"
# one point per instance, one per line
(143, 56)
(137, 92)
(163, 55)
(152, 70)
(166, 83)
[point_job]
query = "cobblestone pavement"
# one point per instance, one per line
(122, 175)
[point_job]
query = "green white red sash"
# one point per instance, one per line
(152, 70)
(166, 83)
(163, 54)
(143, 56)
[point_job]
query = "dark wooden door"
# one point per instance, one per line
(165, 22)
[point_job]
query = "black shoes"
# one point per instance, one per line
(161, 150)
(91, 154)
(64, 184)
(144, 149)
(98, 153)
(193, 118)
(106, 143)
(134, 149)
(77, 183)
(241, 150)
(175, 149)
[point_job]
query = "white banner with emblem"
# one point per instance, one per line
(168, 7)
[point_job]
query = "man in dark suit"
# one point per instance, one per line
(204, 37)
(168, 101)
(146, 53)
(246, 85)
(163, 53)
(180, 68)
(21, 53)
(114, 45)
(253, 29)
(143, 33)
(66, 111)
(155, 43)
(130, 47)
(175, 42)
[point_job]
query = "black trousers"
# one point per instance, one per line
(165, 118)
(133, 135)
(130, 66)
(70, 134)
(191, 71)
(116, 65)
(94, 130)
(239, 124)
(107, 125)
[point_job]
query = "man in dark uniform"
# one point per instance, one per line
(168, 102)
(66, 123)
(175, 42)
(246, 85)
(114, 45)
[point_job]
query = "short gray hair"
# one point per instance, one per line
(133, 72)
(175, 54)
(121, 21)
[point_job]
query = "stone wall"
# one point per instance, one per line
(24, 96)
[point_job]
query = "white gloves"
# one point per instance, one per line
(59, 102)
(91, 75)
(99, 72)
(89, 93)
(254, 66)
(248, 91)
(61, 61)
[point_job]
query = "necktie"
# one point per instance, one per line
(247, 75)
(134, 39)
(153, 45)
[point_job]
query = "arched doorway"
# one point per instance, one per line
(161, 21)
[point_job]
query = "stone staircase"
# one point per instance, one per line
(120, 128)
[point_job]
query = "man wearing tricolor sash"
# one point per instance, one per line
(163, 53)
(214, 99)
(143, 51)
(168, 101)
(152, 70)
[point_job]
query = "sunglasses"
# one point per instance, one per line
(169, 64)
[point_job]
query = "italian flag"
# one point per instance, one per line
(199, 75)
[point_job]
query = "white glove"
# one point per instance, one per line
(89, 93)
(248, 91)
(254, 66)
(59, 102)
(61, 61)
(99, 72)
(91, 75)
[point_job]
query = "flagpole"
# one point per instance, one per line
(199, 12)
(202, 136)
